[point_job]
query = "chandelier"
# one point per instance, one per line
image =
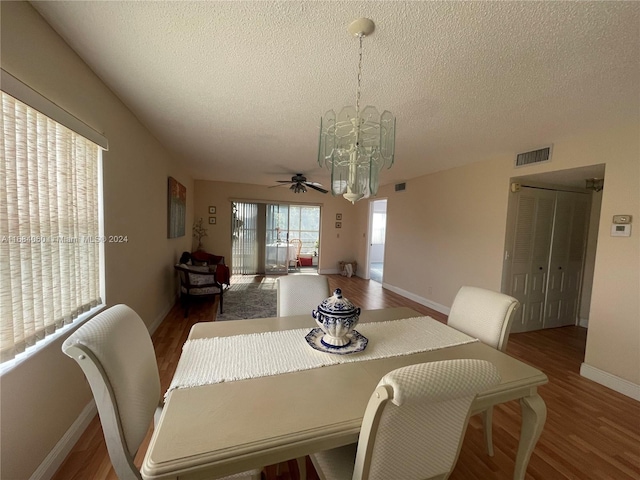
(355, 145)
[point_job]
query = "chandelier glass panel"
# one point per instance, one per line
(355, 145)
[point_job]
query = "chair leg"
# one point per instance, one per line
(221, 297)
(487, 420)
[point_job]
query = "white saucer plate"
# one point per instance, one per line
(358, 343)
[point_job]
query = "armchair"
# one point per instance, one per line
(201, 257)
(198, 282)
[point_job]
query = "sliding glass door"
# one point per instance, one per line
(264, 237)
(277, 240)
(286, 224)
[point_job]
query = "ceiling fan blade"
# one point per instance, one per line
(310, 185)
(285, 181)
(281, 185)
(314, 183)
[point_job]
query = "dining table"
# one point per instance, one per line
(239, 423)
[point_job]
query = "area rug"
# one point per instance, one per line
(250, 297)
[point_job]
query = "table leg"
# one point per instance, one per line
(534, 414)
(302, 467)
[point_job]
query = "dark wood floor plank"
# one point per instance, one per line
(591, 433)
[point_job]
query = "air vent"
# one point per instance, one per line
(535, 156)
(401, 187)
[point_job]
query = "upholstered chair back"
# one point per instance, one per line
(115, 353)
(300, 294)
(483, 314)
(416, 419)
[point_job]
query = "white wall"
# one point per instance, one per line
(42, 397)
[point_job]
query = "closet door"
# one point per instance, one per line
(529, 256)
(566, 258)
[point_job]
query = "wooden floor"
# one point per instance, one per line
(591, 432)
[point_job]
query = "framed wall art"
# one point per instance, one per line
(212, 220)
(212, 210)
(177, 209)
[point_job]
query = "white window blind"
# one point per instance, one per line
(245, 238)
(50, 244)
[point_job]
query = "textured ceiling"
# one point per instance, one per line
(236, 89)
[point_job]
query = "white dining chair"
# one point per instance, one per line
(487, 316)
(413, 425)
(116, 355)
(300, 294)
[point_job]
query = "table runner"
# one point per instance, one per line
(206, 361)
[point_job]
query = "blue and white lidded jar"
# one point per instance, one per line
(337, 317)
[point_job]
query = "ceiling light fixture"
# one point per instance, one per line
(298, 188)
(355, 145)
(595, 184)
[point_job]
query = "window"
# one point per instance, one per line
(51, 247)
(304, 223)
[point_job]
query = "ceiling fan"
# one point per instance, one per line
(299, 184)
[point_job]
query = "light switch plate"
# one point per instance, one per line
(622, 219)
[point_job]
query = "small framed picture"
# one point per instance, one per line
(338, 224)
(338, 216)
(212, 211)
(212, 220)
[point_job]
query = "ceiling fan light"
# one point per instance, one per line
(595, 184)
(298, 188)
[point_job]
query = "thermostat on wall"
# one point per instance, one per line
(621, 230)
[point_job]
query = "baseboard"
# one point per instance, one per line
(58, 454)
(583, 322)
(161, 316)
(418, 299)
(618, 384)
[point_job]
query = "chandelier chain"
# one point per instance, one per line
(360, 37)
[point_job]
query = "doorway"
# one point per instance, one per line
(377, 234)
(551, 236)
